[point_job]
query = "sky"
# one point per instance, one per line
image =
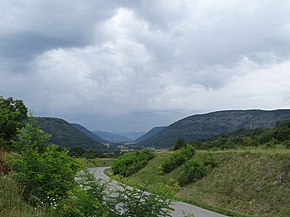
(133, 65)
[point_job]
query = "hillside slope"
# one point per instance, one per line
(205, 126)
(65, 135)
(150, 133)
(252, 183)
(89, 133)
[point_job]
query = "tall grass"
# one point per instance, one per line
(12, 203)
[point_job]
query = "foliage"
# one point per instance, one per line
(76, 151)
(132, 162)
(267, 138)
(138, 203)
(12, 203)
(85, 199)
(179, 144)
(32, 137)
(47, 176)
(80, 152)
(93, 197)
(13, 114)
(192, 171)
(178, 158)
(46, 173)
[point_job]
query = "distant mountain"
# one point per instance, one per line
(89, 133)
(131, 135)
(204, 126)
(111, 137)
(65, 135)
(149, 134)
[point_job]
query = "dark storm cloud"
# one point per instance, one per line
(131, 64)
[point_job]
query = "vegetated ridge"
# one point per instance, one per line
(150, 133)
(65, 135)
(89, 133)
(111, 137)
(205, 126)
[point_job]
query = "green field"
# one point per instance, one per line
(97, 162)
(244, 182)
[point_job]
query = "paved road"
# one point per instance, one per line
(180, 208)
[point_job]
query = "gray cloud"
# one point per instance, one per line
(132, 65)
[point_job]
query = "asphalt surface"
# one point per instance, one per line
(180, 209)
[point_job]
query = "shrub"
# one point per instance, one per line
(85, 199)
(138, 203)
(132, 162)
(180, 143)
(46, 177)
(46, 173)
(192, 171)
(92, 197)
(175, 161)
(178, 158)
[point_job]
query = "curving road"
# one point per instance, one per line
(180, 208)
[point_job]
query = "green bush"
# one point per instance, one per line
(46, 173)
(192, 171)
(13, 114)
(175, 161)
(85, 199)
(137, 203)
(178, 158)
(46, 177)
(179, 144)
(132, 162)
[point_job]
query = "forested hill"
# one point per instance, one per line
(150, 133)
(89, 133)
(65, 135)
(204, 126)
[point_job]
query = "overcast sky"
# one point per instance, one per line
(132, 65)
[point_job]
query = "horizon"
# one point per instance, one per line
(147, 130)
(130, 66)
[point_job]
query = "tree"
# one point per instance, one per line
(179, 144)
(13, 114)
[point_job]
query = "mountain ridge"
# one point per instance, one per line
(150, 133)
(205, 126)
(89, 133)
(66, 136)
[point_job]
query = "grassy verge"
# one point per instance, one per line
(12, 203)
(98, 162)
(244, 183)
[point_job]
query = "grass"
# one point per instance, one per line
(12, 203)
(97, 162)
(252, 182)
